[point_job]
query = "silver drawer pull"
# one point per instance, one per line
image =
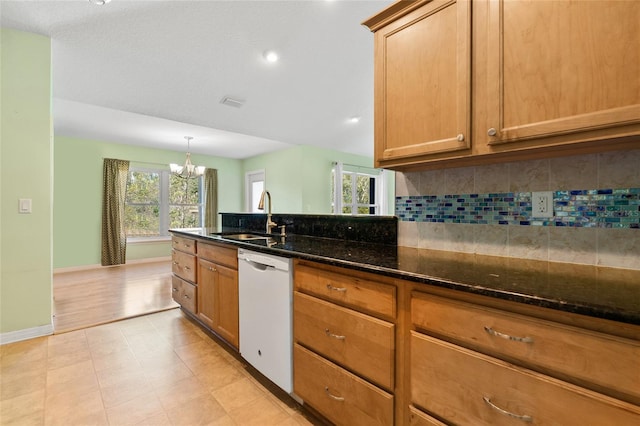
(330, 287)
(186, 268)
(187, 245)
(335, 336)
(211, 268)
(506, 336)
(337, 398)
(175, 263)
(522, 417)
(175, 289)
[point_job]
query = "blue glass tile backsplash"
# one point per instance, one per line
(603, 208)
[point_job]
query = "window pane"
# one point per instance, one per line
(346, 188)
(256, 192)
(183, 191)
(346, 209)
(184, 216)
(364, 210)
(143, 187)
(142, 221)
(363, 189)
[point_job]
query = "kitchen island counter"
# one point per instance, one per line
(601, 292)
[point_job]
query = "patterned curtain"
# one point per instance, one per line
(211, 198)
(114, 184)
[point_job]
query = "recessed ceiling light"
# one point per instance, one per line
(270, 56)
(99, 2)
(354, 119)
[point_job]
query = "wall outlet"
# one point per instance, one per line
(542, 204)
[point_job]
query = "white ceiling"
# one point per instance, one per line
(151, 72)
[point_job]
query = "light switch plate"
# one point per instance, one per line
(24, 205)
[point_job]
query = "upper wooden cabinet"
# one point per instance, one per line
(562, 68)
(423, 82)
(468, 82)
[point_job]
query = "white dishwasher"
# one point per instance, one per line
(265, 292)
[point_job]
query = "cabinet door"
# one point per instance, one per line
(207, 281)
(562, 68)
(226, 320)
(422, 83)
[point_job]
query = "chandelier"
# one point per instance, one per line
(188, 170)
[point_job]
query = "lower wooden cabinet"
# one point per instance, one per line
(184, 293)
(420, 418)
(342, 397)
(218, 299)
(362, 343)
(605, 361)
(468, 388)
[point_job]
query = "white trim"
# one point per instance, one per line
(98, 266)
(27, 333)
(148, 240)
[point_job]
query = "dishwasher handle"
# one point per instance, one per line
(257, 265)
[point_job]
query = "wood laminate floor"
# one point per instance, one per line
(97, 296)
(157, 369)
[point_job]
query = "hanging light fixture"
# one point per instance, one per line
(188, 170)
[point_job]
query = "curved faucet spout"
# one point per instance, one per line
(270, 224)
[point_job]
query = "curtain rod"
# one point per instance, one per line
(142, 162)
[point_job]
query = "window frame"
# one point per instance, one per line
(164, 205)
(377, 176)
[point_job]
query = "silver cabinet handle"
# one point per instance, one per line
(175, 290)
(186, 268)
(460, 137)
(211, 269)
(492, 132)
(186, 296)
(337, 398)
(175, 262)
(187, 245)
(330, 287)
(335, 336)
(523, 417)
(493, 332)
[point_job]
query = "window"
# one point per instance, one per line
(254, 185)
(157, 201)
(357, 191)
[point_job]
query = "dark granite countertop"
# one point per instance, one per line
(608, 293)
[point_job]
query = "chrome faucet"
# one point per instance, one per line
(270, 224)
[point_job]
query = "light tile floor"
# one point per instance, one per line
(159, 369)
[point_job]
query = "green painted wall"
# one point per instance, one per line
(25, 172)
(78, 195)
(299, 178)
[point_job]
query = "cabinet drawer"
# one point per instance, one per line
(184, 293)
(359, 342)
(340, 396)
(365, 294)
(420, 418)
(221, 255)
(591, 357)
(184, 265)
(466, 387)
(183, 244)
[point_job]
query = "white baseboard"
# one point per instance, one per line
(28, 333)
(98, 266)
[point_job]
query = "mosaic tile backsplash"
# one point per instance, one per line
(602, 208)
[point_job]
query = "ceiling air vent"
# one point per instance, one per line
(231, 102)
